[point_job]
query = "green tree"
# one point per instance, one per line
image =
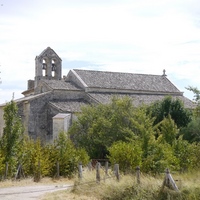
(143, 129)
(99, 126)
(27, 149)
(172, 107)
(127, 154)
(160, 156)
(64, 152)
(167, 130)
(191, 133)
(195, 147)
(185, 153)
(40, 163)
(12, 135)
(196, 99)
(2, 165)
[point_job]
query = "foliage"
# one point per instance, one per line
(196, 99)
(160, 156)
(40, 163)
(196, 92)
(172, 107)
(195, 151)
(127, 155)
(68, 157)
(25, 155)
(98, 127)
(187, 154)
(2, 166)
(191, 132)
(160, 152)
(143, 129)
(125, 134)
(118, 127)
(167, 130)
(12, 134)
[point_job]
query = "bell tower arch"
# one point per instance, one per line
(48, 66)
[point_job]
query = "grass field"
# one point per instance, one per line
(128, 188)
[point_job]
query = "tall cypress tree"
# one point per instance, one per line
(12, 132)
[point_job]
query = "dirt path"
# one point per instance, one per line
(29, 192)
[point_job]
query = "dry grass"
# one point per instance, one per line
(29, 181)
(110, 188)
(89, 189)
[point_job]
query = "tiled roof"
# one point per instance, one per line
(126, 81)
(139, 99)
(69, 106)
(60, 85)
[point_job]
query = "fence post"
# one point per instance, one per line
(90, 166)
(18, 173)
(116, 170)
(37, 175)
(6, 171)
(106, 168)
(138, 174)
(98, 178)
(80, 170)
(58, 170)
(39, 168)
(169, 181)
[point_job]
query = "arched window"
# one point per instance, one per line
(53, 68)
(44, 67)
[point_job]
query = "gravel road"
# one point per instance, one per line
(29, 192)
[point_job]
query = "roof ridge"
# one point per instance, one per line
(116, 72)
(48, 48)
(79, 78)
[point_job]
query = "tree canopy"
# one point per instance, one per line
(12, 134)
(173, 107)
(147, 135)
(99, 126)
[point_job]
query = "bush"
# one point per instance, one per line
(127, 155)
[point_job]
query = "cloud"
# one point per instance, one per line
(143, 36)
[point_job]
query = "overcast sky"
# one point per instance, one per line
(137, 36)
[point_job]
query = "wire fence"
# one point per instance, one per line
(102, 175)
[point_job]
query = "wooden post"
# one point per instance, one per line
(138, 174)
(106, 168)
(90, 166)
(80, 171)
(116, 170)
(18, 174)
(98, 178)
(39, 169)
(58, 170)
(169, 181)
(37, 174)
(6, 171)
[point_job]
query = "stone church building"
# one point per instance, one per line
(51, 101)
